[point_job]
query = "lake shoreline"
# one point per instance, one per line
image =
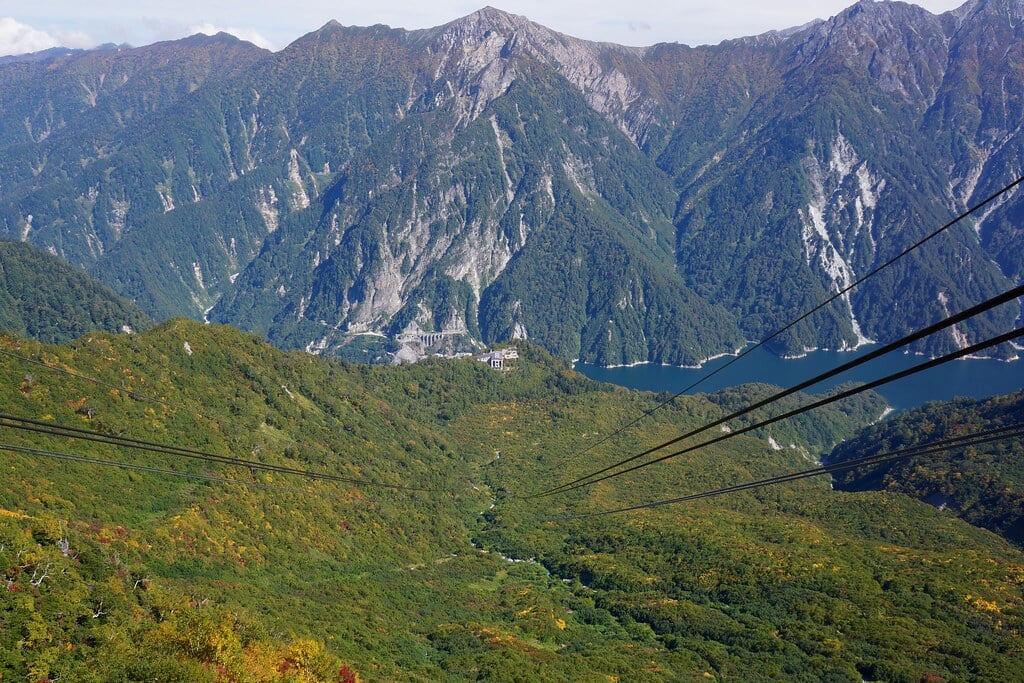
(807, 352)
(976, 378)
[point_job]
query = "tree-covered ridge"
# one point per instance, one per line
(802, 583)
(982, 484)
(44, 298)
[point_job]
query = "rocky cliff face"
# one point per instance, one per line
(853, 157)
(495, 177)
(499, 178)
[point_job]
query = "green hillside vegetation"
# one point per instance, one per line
(153, 577)
(74, 610)
(983, 484)
(44, 298)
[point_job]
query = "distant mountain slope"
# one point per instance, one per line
(93, 140)
(44, 298)
(496, 178)
(849, 153)
(520, 222)
(983, 484)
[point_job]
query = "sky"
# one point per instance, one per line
(32, 25)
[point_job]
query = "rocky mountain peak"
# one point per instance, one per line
(869, 21)
(1011, 10)
(481, 49)
(491, 19)
(872, 38)
(496, 32)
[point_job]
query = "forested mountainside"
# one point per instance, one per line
(425, 561)
(498, 180)
(43, 298)
(983, 484)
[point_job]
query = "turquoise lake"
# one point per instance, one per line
(971, 377)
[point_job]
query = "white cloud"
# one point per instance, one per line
(73, 39)
(17, 38)
(252, 35)
(625, 25)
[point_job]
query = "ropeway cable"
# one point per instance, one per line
(73, 457)
(54, 429)
(805, 315)
(976, 439)
(974, 348)
(949, 321)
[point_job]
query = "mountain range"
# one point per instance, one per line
(494, 179)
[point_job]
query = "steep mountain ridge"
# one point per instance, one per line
(458, 221)
(111, 86)
(363, 179)
(840, 193)
(611, 77)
